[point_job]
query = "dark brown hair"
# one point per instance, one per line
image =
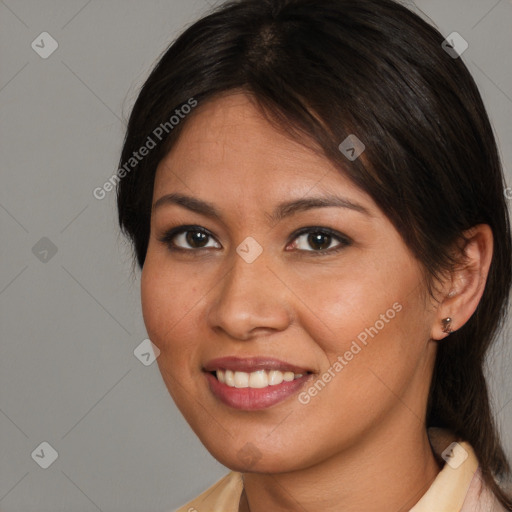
(325, 69)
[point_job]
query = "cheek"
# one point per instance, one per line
(168, 299)
(168, 303)
(373, 318)
(343, 304)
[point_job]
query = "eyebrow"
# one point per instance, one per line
(282, 211)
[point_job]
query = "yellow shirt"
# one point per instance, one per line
(457, 488)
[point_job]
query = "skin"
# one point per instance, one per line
(361, 443)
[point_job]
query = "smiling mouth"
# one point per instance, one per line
(254, 383)
(256, 380)
(256, 390)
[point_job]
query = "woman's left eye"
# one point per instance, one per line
(321, 240)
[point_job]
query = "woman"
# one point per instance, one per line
(316, 203)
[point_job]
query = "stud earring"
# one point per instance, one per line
(447, 322)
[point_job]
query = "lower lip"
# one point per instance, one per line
(253, 399)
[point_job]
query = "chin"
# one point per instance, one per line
(250, 458)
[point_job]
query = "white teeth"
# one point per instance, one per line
(275, 377)
(229, 377)
(258, 379)
(241, 380)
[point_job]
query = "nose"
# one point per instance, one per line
(250, 301)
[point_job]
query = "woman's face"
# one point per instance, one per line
(296, 272)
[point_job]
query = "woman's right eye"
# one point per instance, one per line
(188, 238)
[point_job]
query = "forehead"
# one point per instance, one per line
(228, 146)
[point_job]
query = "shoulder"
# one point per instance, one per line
(459, 485)
(480, 498)
(223, 495)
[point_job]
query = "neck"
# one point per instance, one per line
(389, 470)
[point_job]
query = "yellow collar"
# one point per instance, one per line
(448, 491)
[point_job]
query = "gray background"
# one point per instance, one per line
(70, 321)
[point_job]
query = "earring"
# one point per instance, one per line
(447, 322)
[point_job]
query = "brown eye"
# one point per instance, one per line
(320, 241)
(188, 238)
(196, 238)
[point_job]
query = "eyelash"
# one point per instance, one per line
(344, 241)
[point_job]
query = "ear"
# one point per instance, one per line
(463, 288)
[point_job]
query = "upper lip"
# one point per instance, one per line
(252, 364)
